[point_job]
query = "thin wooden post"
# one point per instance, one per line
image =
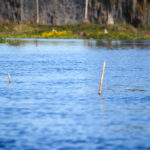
(9, 77)
(102, 76)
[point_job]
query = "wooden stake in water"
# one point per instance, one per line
(9, 77)
(102, 76)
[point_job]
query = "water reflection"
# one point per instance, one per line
(102, 103)
(16, 44)
(37, 43)
(115, 44)
(108, 44)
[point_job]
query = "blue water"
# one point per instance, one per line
(53, 102)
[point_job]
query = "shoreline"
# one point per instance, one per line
(79, 31)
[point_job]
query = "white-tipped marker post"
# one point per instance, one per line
(102, 76)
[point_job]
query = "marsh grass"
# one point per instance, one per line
(11, 41)
(92, 31)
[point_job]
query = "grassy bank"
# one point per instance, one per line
(81, 31)
(2, 40)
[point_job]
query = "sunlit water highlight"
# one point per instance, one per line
(53, 102)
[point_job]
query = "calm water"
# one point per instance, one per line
(53, 102)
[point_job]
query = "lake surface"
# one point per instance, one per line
(53, 102)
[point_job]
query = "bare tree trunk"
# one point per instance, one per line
(21, 8)
(110, 19)
(134, 6)
(86, 10)
(145, 1)
(37, 12)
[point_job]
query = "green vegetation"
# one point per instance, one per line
(80, 31)
(11, 41)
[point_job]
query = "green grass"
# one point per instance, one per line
(2, 40)
(91, 31)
